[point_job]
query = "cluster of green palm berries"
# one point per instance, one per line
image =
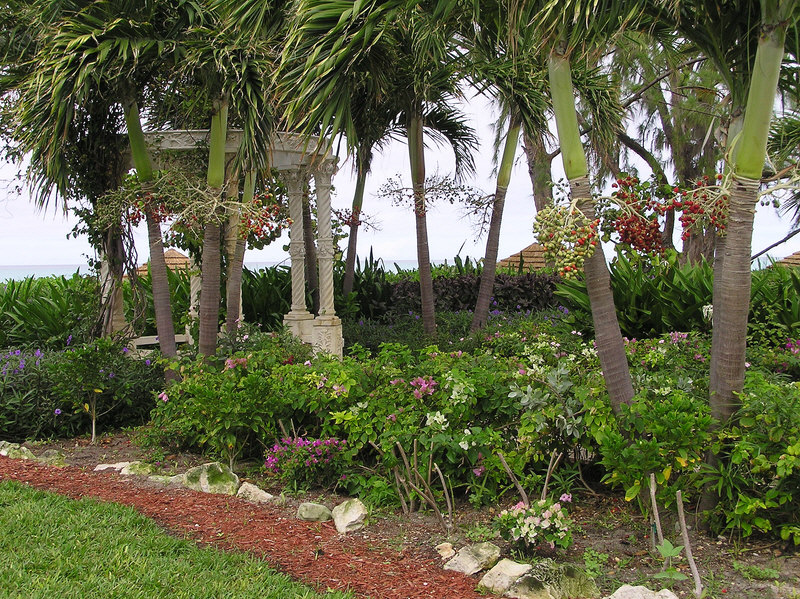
(568, 238)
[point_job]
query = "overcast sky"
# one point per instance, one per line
(31, 237)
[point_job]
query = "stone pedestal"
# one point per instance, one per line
(301, 325)
(327, 335)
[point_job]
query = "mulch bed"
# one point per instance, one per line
(313, 553)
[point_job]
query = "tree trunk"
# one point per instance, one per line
(113, 316)
(210, 290)
(158, 266)
(236, 251)
(416, 151)
(732, 296)
(481, 314)
(210, 295)
(540, 164)
(610, 346)
(312, 274)
(352, 240)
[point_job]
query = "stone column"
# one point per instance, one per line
(327, 335)
(195, 283)
(299, 319)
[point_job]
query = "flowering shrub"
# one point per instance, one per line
(306, 462)
(544, 522)
(43, 392)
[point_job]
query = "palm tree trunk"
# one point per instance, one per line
(233, 290)
(210, 295)
(158, 266)
(610, 347)
(113, 316)
(732, 295)
(481, 314)
(539, 168)
(352, 240)
(416, 152)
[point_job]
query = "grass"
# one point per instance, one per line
(51, 546)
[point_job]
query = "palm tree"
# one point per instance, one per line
(113, 48)
(409, 58)
(228, 66)
(502, 60)
(87, 161)
(748, 52)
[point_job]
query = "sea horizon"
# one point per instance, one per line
(23, 271)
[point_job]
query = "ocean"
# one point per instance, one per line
(19, 272)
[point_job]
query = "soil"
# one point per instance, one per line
(394, 556)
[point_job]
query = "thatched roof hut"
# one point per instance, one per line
(175, 261)
(530, 258)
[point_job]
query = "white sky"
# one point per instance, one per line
(30, 237)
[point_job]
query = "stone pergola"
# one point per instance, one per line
(297, 158)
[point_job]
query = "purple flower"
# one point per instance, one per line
(69, 339)
(125, 350)
(57, 412)
(147, 362)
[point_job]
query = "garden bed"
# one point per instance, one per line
(394, 556)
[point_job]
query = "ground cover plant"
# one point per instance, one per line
(52, 546)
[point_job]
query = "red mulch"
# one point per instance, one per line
(310, 552)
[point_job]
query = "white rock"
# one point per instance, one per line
(349, 515)
(445, 550)
(16, 451)
(252, 493)
(474, 558)
(118, 466)
(313, 512)
(212, 478)
(505, 573)
(629, 592)
(137, 469)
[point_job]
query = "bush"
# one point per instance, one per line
(304, 463)
(44, 393)
(43, 312)
(758, 478)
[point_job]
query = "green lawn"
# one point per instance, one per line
(54, 547)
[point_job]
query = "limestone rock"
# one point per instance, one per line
(313, 512)
(161, 479)
(445, 550)
(549, 580)
(52, 457)
(640, 592)
(505, 573)
(118, 466)
(474, 558)
(15, 451)
(529, 587)
(137, 469)
(252, 493)
(349, 515)
(212, 478)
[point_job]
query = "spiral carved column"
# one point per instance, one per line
(327, 334)
(299, 320)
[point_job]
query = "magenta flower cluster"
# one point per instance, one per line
(424, 386)
(290, 453)
(234, 362)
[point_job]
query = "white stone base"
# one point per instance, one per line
(300, 324)
(327, 335)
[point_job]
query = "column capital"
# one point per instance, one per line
(325, 170)
(294, 177)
